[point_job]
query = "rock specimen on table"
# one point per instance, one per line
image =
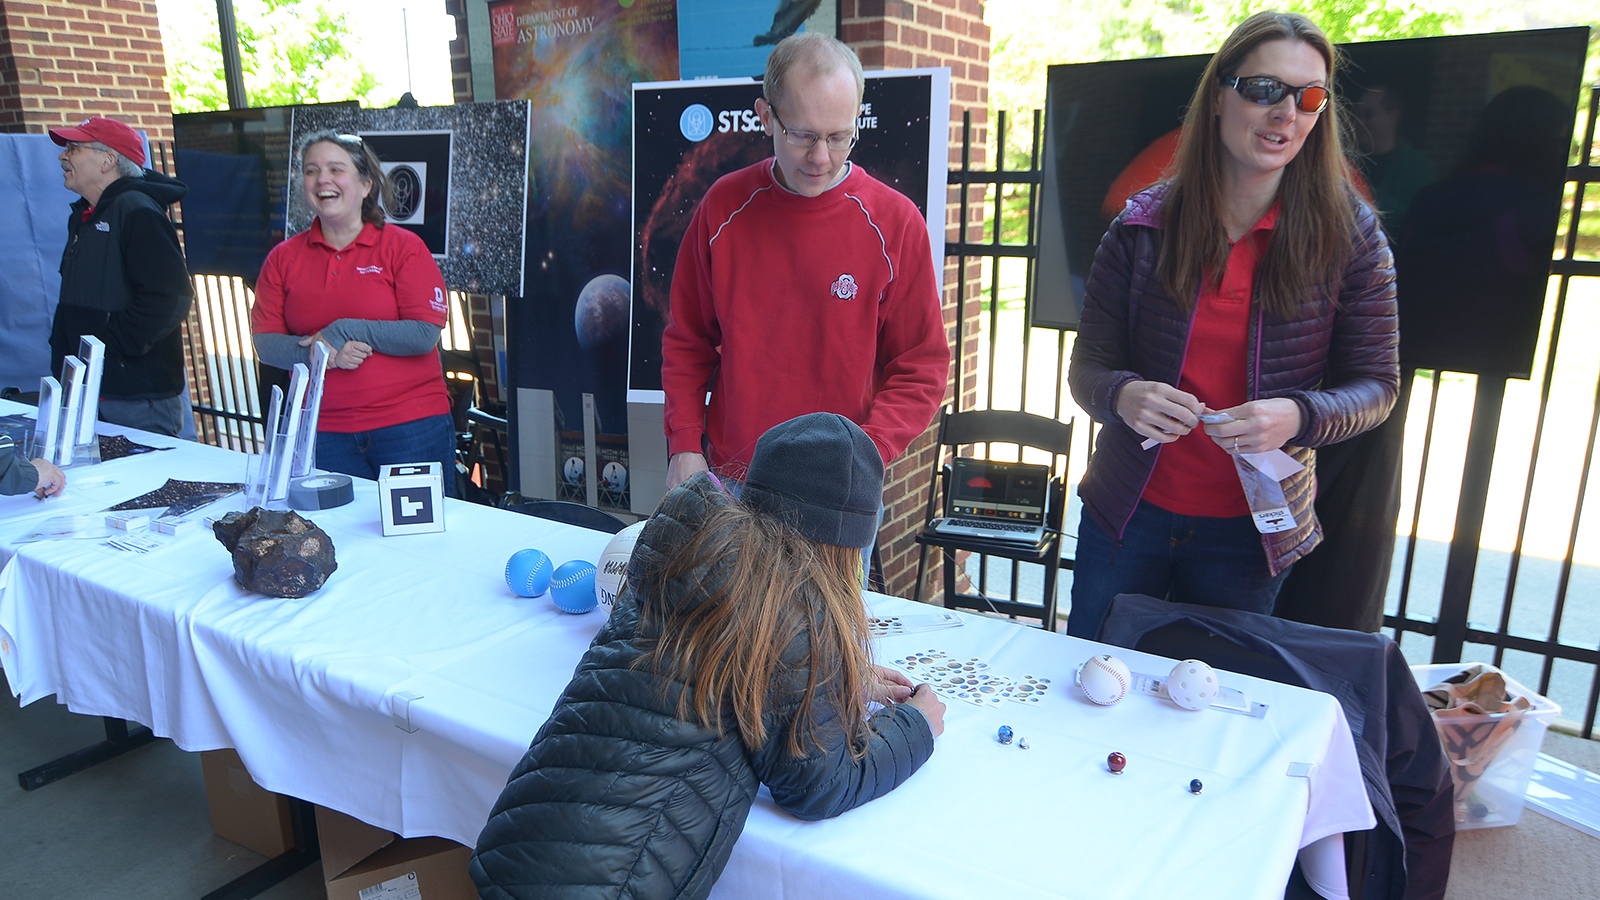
(276, 552)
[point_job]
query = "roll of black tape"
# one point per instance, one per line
(320, 491)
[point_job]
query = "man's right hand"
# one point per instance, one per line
(51, 479)
(683, 466)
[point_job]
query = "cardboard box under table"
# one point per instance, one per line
(243, 811)
(363, 862)
(1491, 755)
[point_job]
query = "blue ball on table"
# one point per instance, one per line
(572, 586)
(528, 573)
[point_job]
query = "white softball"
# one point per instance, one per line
(1104, 679)
(1193, 684)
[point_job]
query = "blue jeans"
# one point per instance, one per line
(360, 453)
(1186, 559)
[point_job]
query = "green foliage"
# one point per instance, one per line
(291, 52)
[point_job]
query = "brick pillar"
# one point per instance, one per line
(63, 62)
(903, 34)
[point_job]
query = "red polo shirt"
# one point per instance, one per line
(1193, 476)
(386, 274)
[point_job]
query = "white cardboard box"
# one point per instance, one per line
(411, 498)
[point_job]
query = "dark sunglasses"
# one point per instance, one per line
(1268, 91)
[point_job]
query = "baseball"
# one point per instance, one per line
(572, 586)
(1104, 679)
(1193, 684)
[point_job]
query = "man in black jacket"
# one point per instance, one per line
(123, 278)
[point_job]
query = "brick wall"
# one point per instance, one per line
(903, 34)
(65, 61)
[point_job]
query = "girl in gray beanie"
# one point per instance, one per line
(736, 655)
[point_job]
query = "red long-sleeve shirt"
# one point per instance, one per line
(784, 305)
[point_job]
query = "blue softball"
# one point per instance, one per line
(572, 586)
(528, 573)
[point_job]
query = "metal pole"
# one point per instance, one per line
(232, 71)
(405, 29)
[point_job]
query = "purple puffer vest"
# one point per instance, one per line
(1337, 356)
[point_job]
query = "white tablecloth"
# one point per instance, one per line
(306, 691)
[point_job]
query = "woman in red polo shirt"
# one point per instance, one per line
(1254, 282)
(375, 297)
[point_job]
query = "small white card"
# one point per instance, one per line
(403, 887)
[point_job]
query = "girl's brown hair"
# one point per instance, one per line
(764, 587)
(367, 166)
(1316, 219)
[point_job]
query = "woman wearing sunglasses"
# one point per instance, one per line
(374, 296)
(1252, 282)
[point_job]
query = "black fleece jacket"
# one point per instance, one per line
(618, 798)
(124, 280)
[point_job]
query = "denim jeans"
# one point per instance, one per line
(1186, 559)
(360, 453)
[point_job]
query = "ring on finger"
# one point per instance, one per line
(1235, 445)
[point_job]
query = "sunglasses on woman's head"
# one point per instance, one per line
(1268, 91)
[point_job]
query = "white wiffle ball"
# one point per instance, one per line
(1104, 679)
(1193, 684)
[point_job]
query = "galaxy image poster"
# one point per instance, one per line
(575, 62)
(687, 134)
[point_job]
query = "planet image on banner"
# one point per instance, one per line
(601, 315)
(616, 477)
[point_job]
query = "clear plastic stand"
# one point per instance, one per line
(258, 467)
(280, 455)
(305, 450)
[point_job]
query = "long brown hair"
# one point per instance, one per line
(1316, 219)
(764, 586)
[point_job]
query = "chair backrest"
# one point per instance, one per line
(570, 514)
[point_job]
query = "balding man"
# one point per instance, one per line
(123, 278)
(803, 285)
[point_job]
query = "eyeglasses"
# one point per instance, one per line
(1268, 91)
(349, 139)
(75, 146)
(808, 139)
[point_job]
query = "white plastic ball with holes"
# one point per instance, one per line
(1193, 684)
(615, 476)
(528, 572)
(1104, 679)
(572, 586)
(614, 564)
(573, 470)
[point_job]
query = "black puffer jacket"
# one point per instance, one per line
(1337, 357)
(619, 798)
(123, 280)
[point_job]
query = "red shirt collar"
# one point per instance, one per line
(367, 237)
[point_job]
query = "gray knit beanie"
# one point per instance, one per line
(823, 475)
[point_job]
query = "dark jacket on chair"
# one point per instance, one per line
(1337, 357)
(1402, 761)
(619, 798)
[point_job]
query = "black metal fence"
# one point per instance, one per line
(1495, 561)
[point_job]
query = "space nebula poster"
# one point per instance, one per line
(688, 134)
(575, 61)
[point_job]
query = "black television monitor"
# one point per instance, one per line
(1460, 142)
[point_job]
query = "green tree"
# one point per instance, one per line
(291, 51)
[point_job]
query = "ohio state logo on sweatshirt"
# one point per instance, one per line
(845, 288)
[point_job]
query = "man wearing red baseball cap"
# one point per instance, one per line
(123, 278)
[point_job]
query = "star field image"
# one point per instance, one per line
(487, 182)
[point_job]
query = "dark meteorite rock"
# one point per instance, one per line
(276, 552)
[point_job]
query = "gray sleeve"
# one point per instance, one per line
(407, 337)
(17, 475)
(281, 350)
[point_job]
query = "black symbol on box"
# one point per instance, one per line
(411, 506)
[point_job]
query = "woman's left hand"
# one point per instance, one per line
(888, 686)
(1258, 426)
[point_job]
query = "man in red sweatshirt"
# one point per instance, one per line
(803, 285)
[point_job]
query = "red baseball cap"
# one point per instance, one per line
(110, 132)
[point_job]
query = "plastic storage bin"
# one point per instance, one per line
(1495, 797)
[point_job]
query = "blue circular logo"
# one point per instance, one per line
(695, 123)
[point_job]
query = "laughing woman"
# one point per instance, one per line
(1253, 282)
(375, 297)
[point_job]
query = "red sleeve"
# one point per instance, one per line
(266, 317)
(689, 345)
(913, 352)
(418, 286)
